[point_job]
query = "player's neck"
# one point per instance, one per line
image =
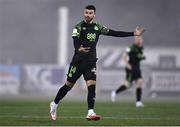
(88, 22)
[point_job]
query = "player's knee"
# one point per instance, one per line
(140, 83)
(70, 84)
(127, 84)
(90, 82)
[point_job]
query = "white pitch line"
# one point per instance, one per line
(76, 117)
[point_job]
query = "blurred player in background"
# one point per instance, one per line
(85, 37)
(132, 57)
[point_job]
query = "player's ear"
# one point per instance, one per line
(94, 14)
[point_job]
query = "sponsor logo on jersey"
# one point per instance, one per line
(91, 37)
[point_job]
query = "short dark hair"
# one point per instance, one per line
(90, 7)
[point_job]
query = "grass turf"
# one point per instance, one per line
(72, 113)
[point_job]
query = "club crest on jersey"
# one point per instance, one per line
(96, 28)
(84, 28)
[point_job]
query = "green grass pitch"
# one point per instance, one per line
(72, 113)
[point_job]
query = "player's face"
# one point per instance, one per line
(138, 41)
(89, 15)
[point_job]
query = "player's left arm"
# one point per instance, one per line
(106, 31)
(119, 33)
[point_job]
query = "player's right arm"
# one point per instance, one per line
(76, 37)
(77, 42)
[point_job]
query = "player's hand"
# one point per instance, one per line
(139, 31)
(84, 49)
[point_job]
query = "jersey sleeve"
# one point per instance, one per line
(109, 32)
(76, 36)
(76, 31)
(103, 29)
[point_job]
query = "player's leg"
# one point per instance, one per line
(73, 74)
(139, 85)
(91, 85)
(60, 95)
(90, 77)
(123, 87)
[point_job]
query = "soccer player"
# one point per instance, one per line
(85, 37)
(132, 57)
